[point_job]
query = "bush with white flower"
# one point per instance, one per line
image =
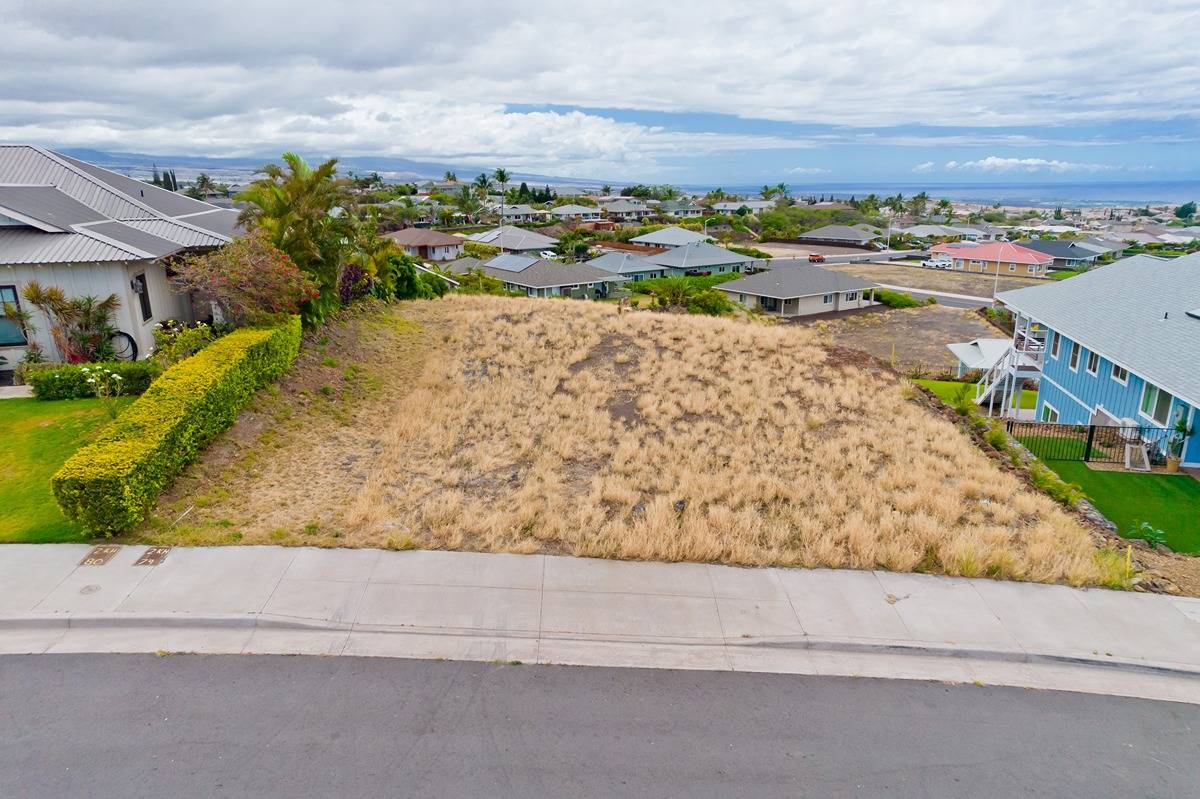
(107, 385)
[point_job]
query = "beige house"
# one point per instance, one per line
(800, 290)
(429, 245)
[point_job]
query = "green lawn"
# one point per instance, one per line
(1169, 502)
(946, 389)
(36, 438)
(1063, 274)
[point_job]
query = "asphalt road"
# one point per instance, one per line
(196, 726)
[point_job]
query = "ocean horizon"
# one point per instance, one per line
(1035, 195)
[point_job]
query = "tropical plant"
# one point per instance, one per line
(294, 206)
(945, 208)
(483, 184)
(606, 189)
(449, 177)
(767, 192)
(80, 326)
(468, 203)
(501, 176)
(174, 341)
(1180, 432)
(248, 279)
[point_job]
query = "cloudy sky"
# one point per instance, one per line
(695, 91)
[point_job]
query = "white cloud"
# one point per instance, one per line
(997, 164)
(439, 80)
(924, 167)
(808, 170)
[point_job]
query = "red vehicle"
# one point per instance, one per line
(816, 258)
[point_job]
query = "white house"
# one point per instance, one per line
(572, 211)
(429, 245)
(89, 231)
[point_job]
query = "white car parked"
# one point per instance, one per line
(549, 255)
(938, 264)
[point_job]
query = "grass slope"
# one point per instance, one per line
(1169, 502)
(36, 438)
(946, 389)
(526, 425)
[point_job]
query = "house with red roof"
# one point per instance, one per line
(993, 257)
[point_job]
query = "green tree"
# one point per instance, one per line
(781, 190)
(1186, 211)
(295, 205)
(483, 184)
(501, 176)
(205, 185)
(449, 177)
(944, 208)
(767, 192)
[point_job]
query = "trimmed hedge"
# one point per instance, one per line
(109, 486)
(57, 381)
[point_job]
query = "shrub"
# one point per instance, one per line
(709, 302)
(175, 341)
(109, 485)
(897, 299)
(752, 252)
(80, 326)
(1054, 486)
(249, 279)
(996, 437)
(477, 249)
(57, 381)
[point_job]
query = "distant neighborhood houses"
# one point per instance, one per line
(993, 257)
(538, 277)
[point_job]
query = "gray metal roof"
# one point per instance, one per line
(802, 280)
(1059, 248)
(510, 237)
(697, 256)
(623, 263)
(44, 207)
(79, 213)
(1133, 312)
(670, 237)
(23, 245)
(132, 238)
(548, 274)
(511, 262)
(840, 233)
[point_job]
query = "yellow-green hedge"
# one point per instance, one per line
(109, 485)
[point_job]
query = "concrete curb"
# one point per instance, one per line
(181, 621)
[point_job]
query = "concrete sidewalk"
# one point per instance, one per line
(545, 609)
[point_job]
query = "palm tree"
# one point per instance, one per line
(501, 176)
(781, 190)
(484, 184)
(467, 203)
(294, 205)
(767, 192)
(606, 189)
(449, 177)
(945, 208)
(204, 184)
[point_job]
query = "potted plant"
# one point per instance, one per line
(1180, 432)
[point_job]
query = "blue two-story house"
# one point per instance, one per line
(1120, 345)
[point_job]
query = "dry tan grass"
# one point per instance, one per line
(564, 427)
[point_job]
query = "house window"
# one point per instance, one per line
(1054, 346)
(742, 298)
(1049, 413)
(1032, 269)
(143, 293)
(827, 299)
(1074, 356)
(1012, 267)
(977, 263)
(1120, 374)
(1093, 363)
(1156, 403)
(10, 331)
(851, 296)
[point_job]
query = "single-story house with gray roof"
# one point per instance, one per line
(573, 211)
(670, 237)
(628, 265)
(701, 258)
(514, 239)
(538, 277)
(801, 290)
(855, 236)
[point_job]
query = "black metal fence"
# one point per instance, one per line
(1090, 442)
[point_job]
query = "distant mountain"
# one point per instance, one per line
(398, 169)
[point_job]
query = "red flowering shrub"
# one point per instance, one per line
(249, 279)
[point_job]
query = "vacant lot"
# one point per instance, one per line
(910, 336)
(552, 426)
(919, 277)
(785, 250)
(36, 438)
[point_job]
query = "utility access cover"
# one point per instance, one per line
(152, 556)
(100, 555)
